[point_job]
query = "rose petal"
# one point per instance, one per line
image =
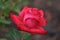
(41, 13)
(15, 19)
(23, 10)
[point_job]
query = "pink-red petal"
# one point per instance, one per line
(15, 19)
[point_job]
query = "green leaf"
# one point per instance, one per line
(13, 35)
(27, 36)
(6, 14)
(4, 22)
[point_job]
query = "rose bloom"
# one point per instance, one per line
(30, 20)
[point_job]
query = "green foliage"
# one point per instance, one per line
(17, 35)
(10, 5)
(6, 6)
(3, 21)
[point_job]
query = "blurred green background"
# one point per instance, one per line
(7, 30)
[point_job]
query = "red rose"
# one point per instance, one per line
(30, 20)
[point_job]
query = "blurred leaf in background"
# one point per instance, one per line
(14, 34)
(10, 5)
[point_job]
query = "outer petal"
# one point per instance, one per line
(33, 31)
(23, 28)
(41, 13)
(22, 13)
(42, 22)
(38, 31)
(15, 19)
(35, 11)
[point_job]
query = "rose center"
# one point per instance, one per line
(31, 23)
